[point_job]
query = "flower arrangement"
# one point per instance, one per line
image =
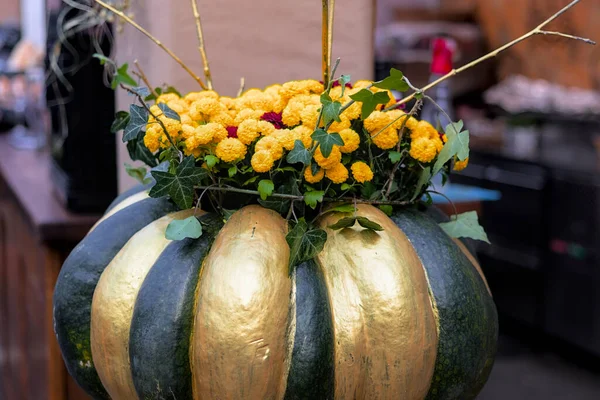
(302, 148)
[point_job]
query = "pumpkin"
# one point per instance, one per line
(401, 313)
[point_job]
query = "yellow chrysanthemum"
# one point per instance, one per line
(180, 106)
(230, 149)
(262, 161)
(166, 98)
(151, 138)
(460, 165)
(340, 126)
(377, 121)
(172, 125)
(228, 102)
(303, 133)
(353, 112)
(246, 114)
(251, 129)
(222, 118)
(424, 129)
(387, 139)
(400, 116)
(361, 84)
(204, 108)
(337, 174)
(362, 172)
(309, 115)
(187, 130)
(310, 178)
(256, 100)
(271, 145)
(187, 120)
(334, 158)
(285, 137)
(195, 96)
(423, 149)
(292, 114)
(351, 140)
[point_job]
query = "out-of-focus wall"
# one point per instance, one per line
(10, 11)
(263, 40)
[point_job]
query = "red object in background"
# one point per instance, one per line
(443, 50)
(558, 246)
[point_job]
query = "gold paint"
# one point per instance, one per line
(239, 347)
(134, 198)
(384, 326)
(473, 260)
(112, 305)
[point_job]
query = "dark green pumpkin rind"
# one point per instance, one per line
(467, 314)
(159, 338)
(78, 279)
(311, 373)
(134, 190)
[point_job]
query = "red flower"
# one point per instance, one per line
(274, 118)
(232, 131)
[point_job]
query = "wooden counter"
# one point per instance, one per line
(36, 235)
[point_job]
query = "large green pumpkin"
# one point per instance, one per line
(404, 313)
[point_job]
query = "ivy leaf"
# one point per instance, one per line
(326, 141)
(103, 59)
(122, 77)
(232, 171)
(180, 185)
(456, 145)
(346, 222)
(395, 81)
(137, 121)
(344, 79)
(331, 109)
(211, 160)
(367, 190)
(139, 174)
(395, 156)
(170, 89)
(265, 188)
(305, 242)
(465, 225)
(251, 180)
(424, 179)
(344, 208)
(313, 197)
(387, 209)
(141, 91)
(120, 122)
(168, 112)
(346, 186)
(370, 101)
(185, 228)
(139, 152)
(368, 224)
(279, 205)
(299, 154)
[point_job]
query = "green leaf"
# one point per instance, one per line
(346, 186)
(343, 208)
(368, 224)
(419, 95)
(122, 77)
(232, 171)
(346, 222)
(103, 59)
(305, 242)
(211, 160)
(344, 79)
(120, 122)
(326, 141)
(387, 209)
(424, 179)
(265, 188)
(370, 101)
(251, 180)
(313, 197)
(286, 169)
(139, 152)
(299, 154)
(331, 109)
(141, 91)
(395, 156)
(367, 190)
(139, 174)
(180, 185)
(137, 121)
(395, 81)
(168, 112)
(276, 204)
(457, 144)
(465, 225)
(185, 228)
(171, 89)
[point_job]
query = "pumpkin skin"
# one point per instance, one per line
(403, 313)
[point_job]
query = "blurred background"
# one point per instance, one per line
(534, 175)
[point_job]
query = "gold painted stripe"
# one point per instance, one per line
(113, 302)
(474, 261)
(384, 326)
(134, 198)
(239, 343)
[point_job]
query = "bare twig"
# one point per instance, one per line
(201, 46)
(140, 73)
(242, 86)
(536, 31)
(446, 197)
(155, 40)
(326, 59)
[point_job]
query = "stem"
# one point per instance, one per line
(325, 62)
(242, 86)
(330, 35)
(446, 197)
(201, 47)
(536, 31)
(155, 40)
(144, 78)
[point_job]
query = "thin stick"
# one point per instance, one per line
(201, 46)
(155, 40)
(325, 42)
(536, 31)
(144, 78)
(330, 36)
(242, 86)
